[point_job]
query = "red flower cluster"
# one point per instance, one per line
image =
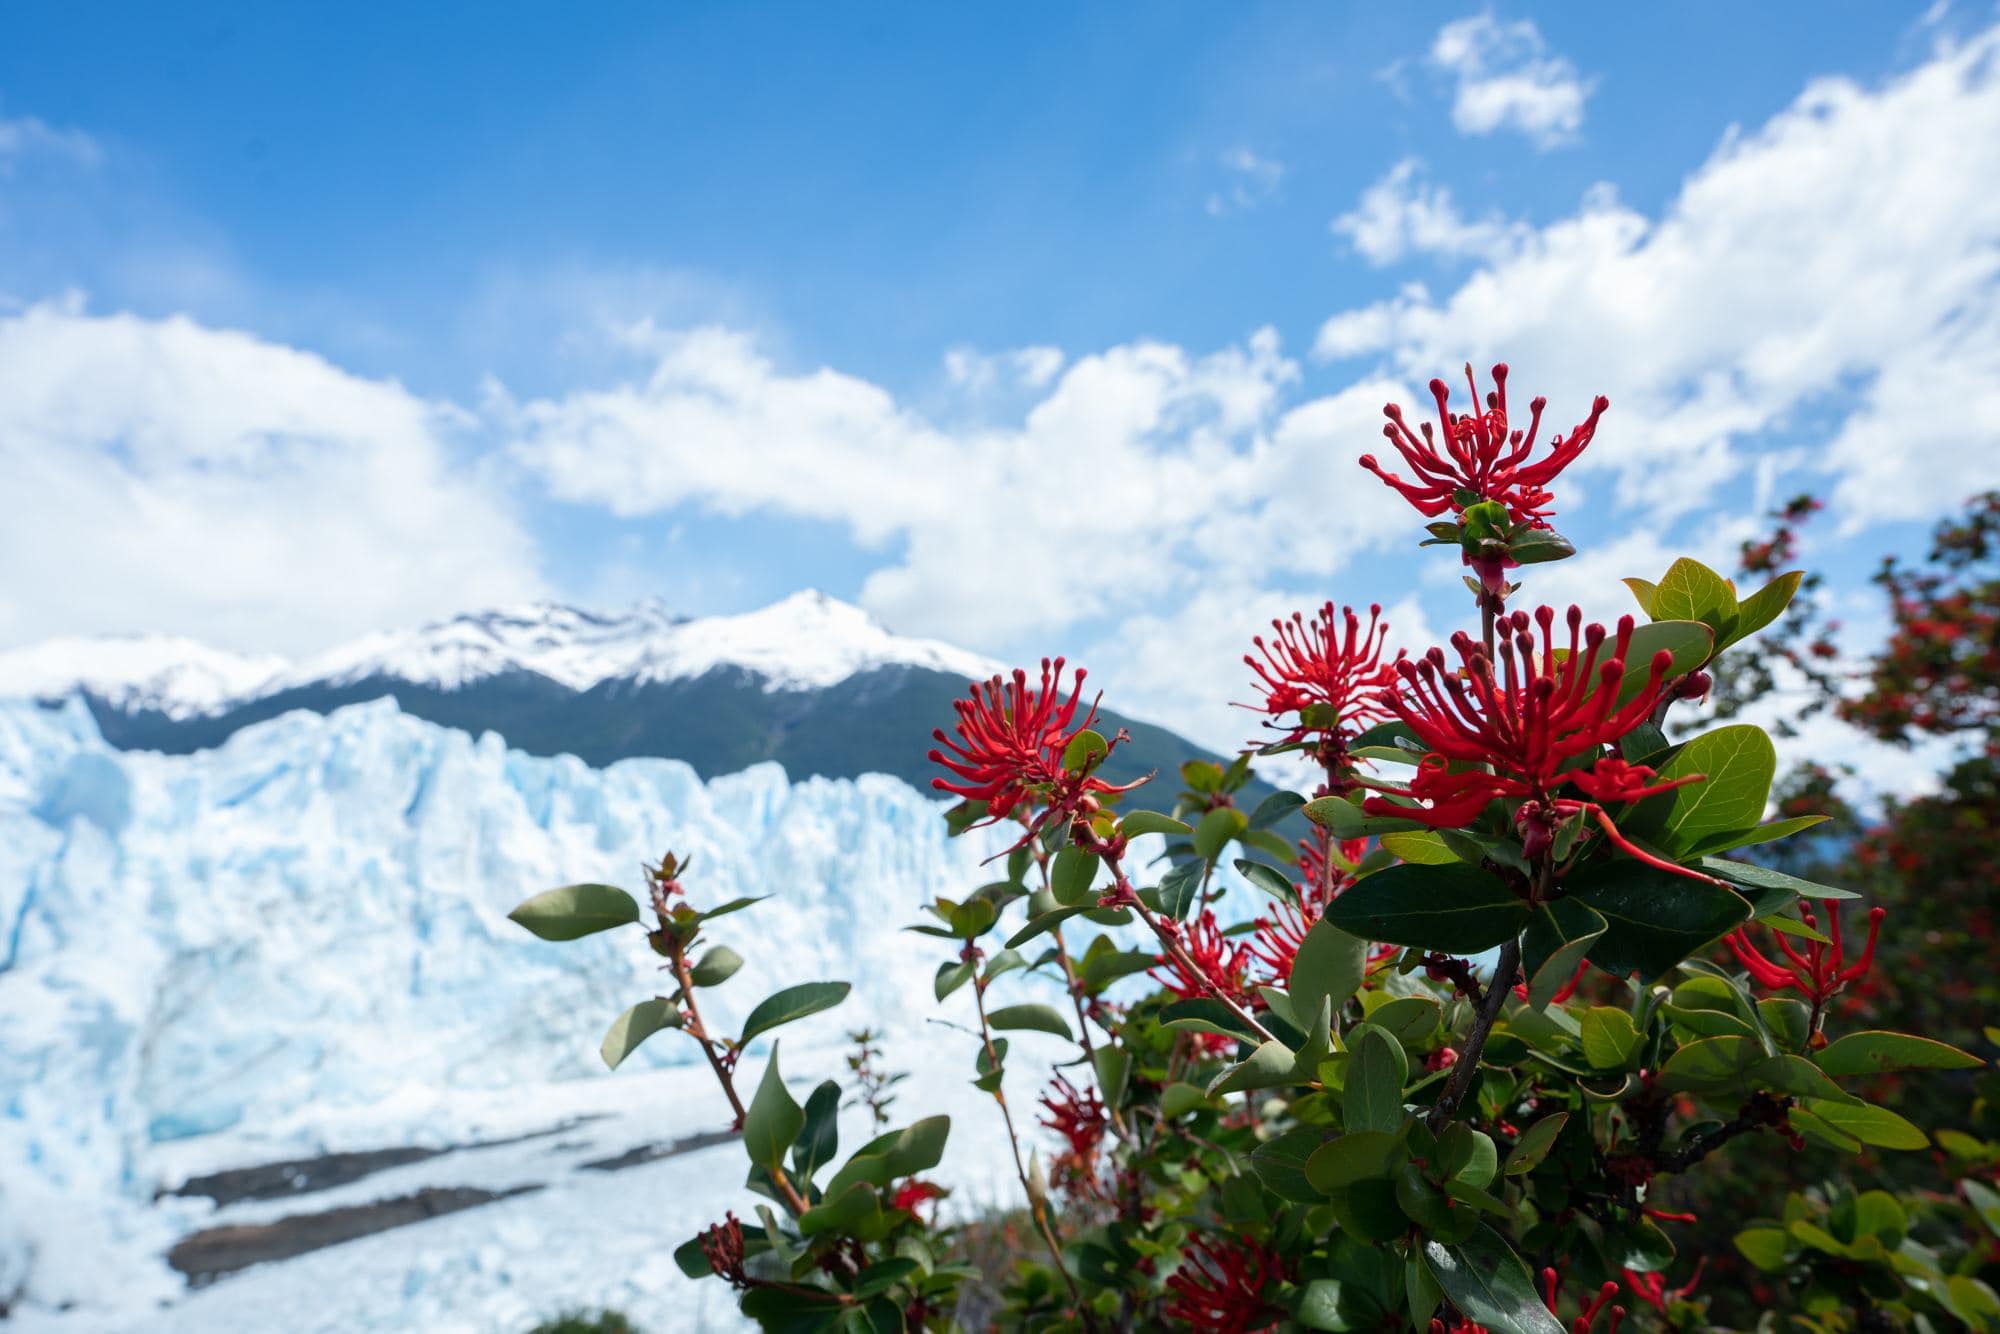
(1080, 1118)
(914, 1192)
(1514, 734)
(1652, 1288)
(1587, 1316)
(1219, 1287)
(1010, 745)
(1224, 966)
(1480, 455)
(1818, 972)
(1334, 669)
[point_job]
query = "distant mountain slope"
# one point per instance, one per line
(811, 683)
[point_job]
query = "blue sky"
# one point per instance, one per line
(1037, 328)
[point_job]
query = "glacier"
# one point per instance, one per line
(296, 944)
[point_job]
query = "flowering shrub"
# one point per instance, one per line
(1521, 973)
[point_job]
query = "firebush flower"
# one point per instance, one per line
(1817, 971)
(914, 1192)
(1322, 677)
(1224, 964)
(1587, 1316)
(1652, 1288)
(1010, 744)
(1480, 456)
(1219, 1287)
(1079, 1117)
(1523, 727)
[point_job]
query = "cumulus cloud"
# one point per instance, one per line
(1508, 79)
(1404, 214)
(1720, 326)
(208, 483)
(1253, 180)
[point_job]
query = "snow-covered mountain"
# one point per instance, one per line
(295, 943)
(809, 683)
(807, 641)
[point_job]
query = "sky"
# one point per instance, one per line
(1037, 328)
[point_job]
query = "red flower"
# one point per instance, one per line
(913, 1193)
(1587, 1315)
(1219, 1287)
(1525, 727)
(1010, 745)
(1817, 971)
(1653, 1290)
(1080, 1118)
(1335, 670)
(1480, 456)
(1224, 964)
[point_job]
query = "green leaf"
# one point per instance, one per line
(1269, 1066)
(1216, 830)
(1763, 833)
(1328, 968)
(782, 1007)
(1764, 1247)
(1151, 822)
(1205, 1014)
(1457, 909)
(845, 1211)
(715, 967)
(1345, 819)
(773, 1119)
(1032, 1016)
(1712, 1064)
(1420, 846)
(1049, 921)
(1267, 878)
(575, 911)
(1738, 761)
(1274, 809)
(1654, 919)
(1180, 887)
(918, 1147)
(1280, 1163)
(1083, 748)
(819, 1140)
(1373, 1092)
(1070, 875)
(1609, 1039)
(634, 1026)
(1486, 1281)
(1877, 1053)
(1690, 591)
(1177, 1100)
(1764, 606)
(1113, 1068)
(1759, 877)
(1687, 642)
(1643, 591)
(1359, 1156)
(1558, 937)
(951, 976)
(1871, 1125)
(1534, 1144)
(1534, 546)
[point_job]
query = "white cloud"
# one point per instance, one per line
(1845, 256)
(161, 475)
(1508, 79)
(1403, 214)
(975, 372)
(26, 135)
(1253, 182)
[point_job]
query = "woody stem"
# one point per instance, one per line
(1037, 1205)
(1180, 956)
(1484, 1018)
(677, 957)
